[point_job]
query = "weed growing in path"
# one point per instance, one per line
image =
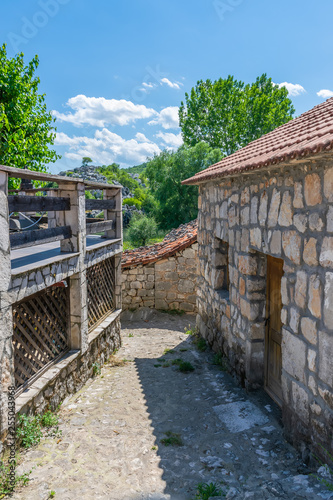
(6, 487)
(130, 335)
(52, 494)
(167, 351)
(96, 369)
(200, 343)
(207, 490)
(221, 361)
(325, 471)
(173, 312)
(185, 367)
(30, 428)
(172, 439)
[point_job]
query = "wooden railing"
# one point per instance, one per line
(60, 225)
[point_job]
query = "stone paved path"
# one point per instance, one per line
(112, 429)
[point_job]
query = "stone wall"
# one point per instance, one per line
(170, 283)
(286, 212)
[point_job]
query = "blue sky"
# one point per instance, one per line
(114, 73)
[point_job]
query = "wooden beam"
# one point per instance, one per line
(21, 203)
(100, 204)
(98, 227)
(20, 173)
(31, 238)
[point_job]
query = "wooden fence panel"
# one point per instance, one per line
(100, 291)
(41, 332)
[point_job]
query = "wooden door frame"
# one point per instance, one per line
(266, 347)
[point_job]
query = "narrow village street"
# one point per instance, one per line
(112, 430)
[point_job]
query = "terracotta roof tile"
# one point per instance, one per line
(310, 133)
(178, 239)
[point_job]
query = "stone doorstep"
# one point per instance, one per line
(53, 372)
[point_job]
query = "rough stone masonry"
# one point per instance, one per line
(285, 212)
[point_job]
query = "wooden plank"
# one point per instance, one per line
(21, 203)
(20, 173)
(30, 238)
(97, 227)
(100, 204)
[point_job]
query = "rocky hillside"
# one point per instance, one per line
(91, 173)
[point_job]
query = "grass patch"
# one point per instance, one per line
(167, 351)
(96, 367)
(326, 470)
(207, 490)
(157, 365)
(31, 429)
(185, 367)
(6, 486)
(172, 439)
(221, 361)
(166, 364)
(183, 350)
(173, 312)
(130, 335)
(200, 343)
(177, 361)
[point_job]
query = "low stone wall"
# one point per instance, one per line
(72, 371)
(169, 283)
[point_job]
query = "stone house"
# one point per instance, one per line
(164, 275)
(265, 286)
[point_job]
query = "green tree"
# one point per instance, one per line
(141, 229)
(26, 127)
(228, 114)
(177, 204)
(86, 160)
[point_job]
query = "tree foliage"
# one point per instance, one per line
(86, 160)
(177, 204)
(26, 127)
(227, 114)
(141, 229)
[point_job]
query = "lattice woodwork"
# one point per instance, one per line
(41, 326)
(101, 291)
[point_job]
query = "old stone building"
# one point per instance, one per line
(164, 275)
(265, 290)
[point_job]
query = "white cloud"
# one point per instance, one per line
(294, 89)
(141, 137)
(98, 111)
(172, 141)
(325, 93)
(172, 85)
(107, 147)
(167, 118)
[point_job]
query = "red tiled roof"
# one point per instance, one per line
(178, 239)
(310, 133)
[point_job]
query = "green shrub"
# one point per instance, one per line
(133, 202)
(141, 229)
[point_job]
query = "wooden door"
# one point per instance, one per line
(273, 357)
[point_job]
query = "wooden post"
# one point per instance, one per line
(76, 219)
(115, 215)
(7, 379)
